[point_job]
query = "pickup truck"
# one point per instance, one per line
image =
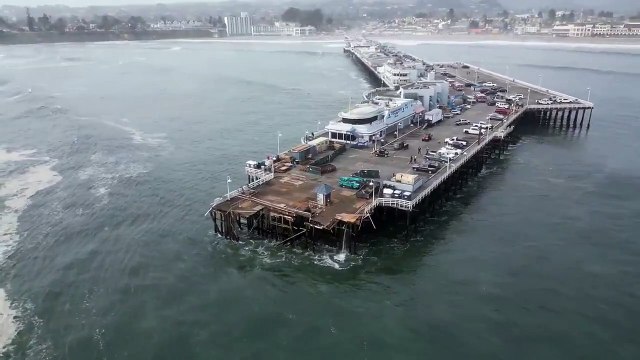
(474, 130)
(400, 145)
(430, 167)
(489, 84)
(462, 122)
(483, 125)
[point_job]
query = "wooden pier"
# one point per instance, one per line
(283, 206)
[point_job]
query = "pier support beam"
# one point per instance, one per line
(584, 111)
(589, 122)
(575, 119)
(555, 117)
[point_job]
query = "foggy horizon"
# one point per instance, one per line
(82, 3)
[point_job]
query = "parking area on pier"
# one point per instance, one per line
(295, 189)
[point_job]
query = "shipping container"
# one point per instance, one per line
(320, 143)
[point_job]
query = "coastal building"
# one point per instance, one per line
(526, 29)
(397, 74)
(180, 25)
(632, 28)
(373, 120)
(282, 29)
(238, 25)
(598, 29)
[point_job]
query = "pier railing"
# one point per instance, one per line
(267, 177)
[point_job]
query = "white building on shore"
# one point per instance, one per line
(180, 25)
(599, 29)
(282, 29)
(238, 25)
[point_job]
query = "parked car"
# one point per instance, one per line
(450, 75)
(502, 105)
(489, 84)
(456, 112)
(446, 151)
(491, 102)
(465, 66)
(455, 138)
(501, 90)
(495, 116)
(474, 130)
(483, 125)
(484, 90)
(469, 84)
(491, 92)
(428, 166)
(458, 144)
(381, 153)
(400, 145)
(462, 122)
(351, 182)
(502, 111)
(427, 137)
(448, 115)
(544, 102)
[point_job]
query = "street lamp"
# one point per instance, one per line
(588, 94)
(373, 191)
(279, 135)
(228, 190)
(528, 95)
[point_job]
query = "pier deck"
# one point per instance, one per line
(292, 194)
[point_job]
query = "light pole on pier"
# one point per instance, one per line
(528, 95)
(228, 190)
(373, 191)
(588, 93)
(279, 135)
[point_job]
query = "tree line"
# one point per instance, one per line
(313, 17)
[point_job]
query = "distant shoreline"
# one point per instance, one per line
(9, 38)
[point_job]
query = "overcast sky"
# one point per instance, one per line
(84, 3)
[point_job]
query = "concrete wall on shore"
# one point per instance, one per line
(9, 38)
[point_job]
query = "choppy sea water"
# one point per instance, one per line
(110, 154)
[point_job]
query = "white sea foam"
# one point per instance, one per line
(105, 170)
(16, 191)
(7, 325)
(139, 137)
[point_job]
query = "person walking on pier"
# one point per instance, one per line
(419, 150)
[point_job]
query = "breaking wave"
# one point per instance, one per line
(16, 191)
(140, 137)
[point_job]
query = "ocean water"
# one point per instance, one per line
(110, 154)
